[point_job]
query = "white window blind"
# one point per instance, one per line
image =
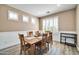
(50, 24)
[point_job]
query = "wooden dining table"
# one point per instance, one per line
(32, 41)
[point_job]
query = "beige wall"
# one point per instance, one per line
(77, 25)
(9, 25)
(66, 20)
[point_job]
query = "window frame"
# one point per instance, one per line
(10, 12)
(25, 16)
(33, 20)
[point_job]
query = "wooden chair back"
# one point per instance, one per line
(22, 41)
(37, 33)
(50, 37)
(43, 42)
(44, 37)
(30, 33)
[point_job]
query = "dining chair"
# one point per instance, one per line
(50, 38)
(30, 33)
(37, 33)
(24, 46)
(43, 43)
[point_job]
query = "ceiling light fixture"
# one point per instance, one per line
(48, 12)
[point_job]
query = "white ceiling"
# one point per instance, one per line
(40, 10)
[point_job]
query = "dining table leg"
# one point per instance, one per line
(32, 49)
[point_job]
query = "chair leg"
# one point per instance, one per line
(40, 50)
(51, 43)
(24, 51)
(20, 51)
(46, 49)
(48, 46)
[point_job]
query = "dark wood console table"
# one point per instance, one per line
(67, 35)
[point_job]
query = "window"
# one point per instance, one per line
(12, 15)
(33, 20)
(50, 24)
(44, 24)
(25, 18)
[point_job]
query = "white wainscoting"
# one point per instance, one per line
(8, 39)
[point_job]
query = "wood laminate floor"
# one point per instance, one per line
(55, 49)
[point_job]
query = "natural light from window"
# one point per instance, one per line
(33, 20)
(25, 18)
(12, 15)
(50, 24)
